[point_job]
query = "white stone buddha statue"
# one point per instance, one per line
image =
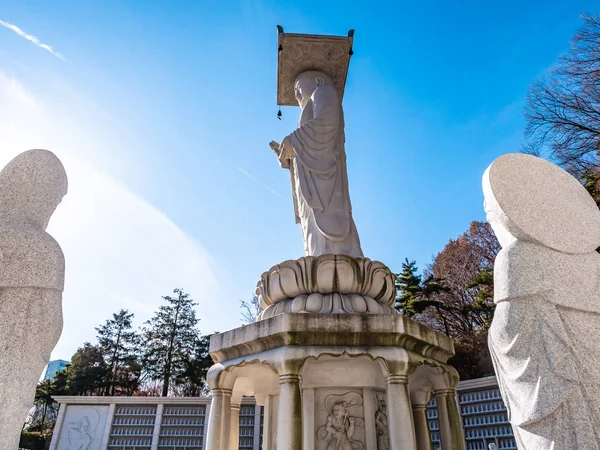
(545, 336)
(315, 155)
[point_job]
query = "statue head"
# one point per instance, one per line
(506, 232)
(31, 187)
(307, 83)
(85, 424)
(381, 405)
(530, 199)
(340, 410)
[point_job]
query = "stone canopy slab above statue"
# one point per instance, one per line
(302, 52)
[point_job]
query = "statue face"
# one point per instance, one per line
(303, 89)
(496, 219)
(338, 411)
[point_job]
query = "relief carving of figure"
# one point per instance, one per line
(316, 158)
(545, 336)
(81, 432)
(32, 271)
(381, 424)
(339, 430)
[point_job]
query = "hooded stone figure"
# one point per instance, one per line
(316, 157)
(545, 336)
(32, 271)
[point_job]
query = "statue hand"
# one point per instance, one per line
(286, 151)
(275, 147)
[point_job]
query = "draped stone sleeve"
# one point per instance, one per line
(320, 162)
(529, 346)
(513, 277)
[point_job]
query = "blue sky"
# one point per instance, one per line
(163, 111)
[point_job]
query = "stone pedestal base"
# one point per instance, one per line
(327, 284)
(334, 382)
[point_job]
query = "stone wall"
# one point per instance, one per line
(147, 422)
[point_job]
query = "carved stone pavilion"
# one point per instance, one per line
(330, 360)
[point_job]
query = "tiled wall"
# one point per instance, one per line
(483, 417)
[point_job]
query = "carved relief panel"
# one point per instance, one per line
(339, 418)
(83, 427)
(381, 421)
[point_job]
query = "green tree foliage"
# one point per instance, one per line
(87, 372)
(118, 344)
(456, 296)
(192, 381)
(171, 340)
(415, 295)
(32, 441)
(43, 415)
(563, 108)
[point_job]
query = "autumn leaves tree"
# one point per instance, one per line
(454, 296)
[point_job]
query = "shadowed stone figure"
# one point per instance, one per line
(32, 271)
(545, 336)
(315, 155)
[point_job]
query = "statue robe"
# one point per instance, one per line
(541, 345)
(320, 180)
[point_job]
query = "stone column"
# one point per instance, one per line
(62, 410)
(157, 423)
(268, 423)
(234, 428)
(108, 425)
(369, 410)
(219, 420)
(400, 420)
(256, 443)
(289, 417)
(421, 427)
(449, 418)
(206, 418)
(308, 412)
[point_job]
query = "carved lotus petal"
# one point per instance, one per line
(327, 284)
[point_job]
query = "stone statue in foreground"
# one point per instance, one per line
(545, 336)
(32, 272)
(315, 156)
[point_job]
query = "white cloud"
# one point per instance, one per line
(260, 183)
(31, 38)
(121, 252)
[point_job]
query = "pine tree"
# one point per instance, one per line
(87, 373)
(415, 295)
(192, 382)
(117, 343)
(408, 284)
(171, 340)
